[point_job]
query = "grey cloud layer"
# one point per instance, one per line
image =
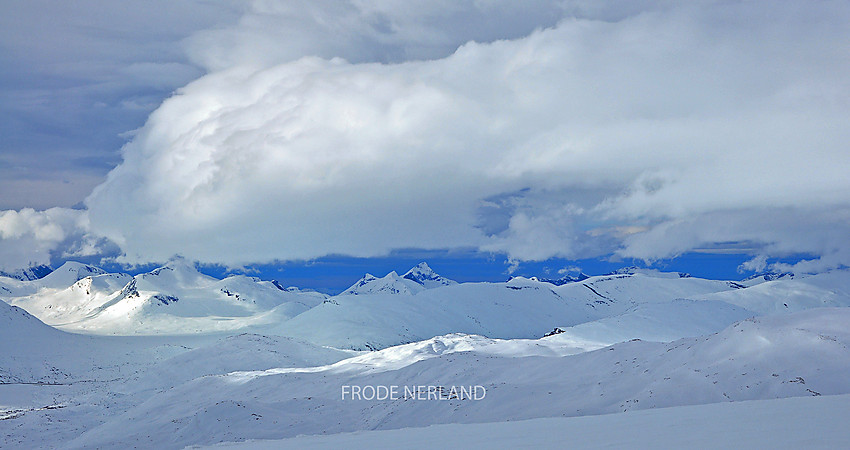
(76, 76)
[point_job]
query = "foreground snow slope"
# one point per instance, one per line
(54, 385)
(800, 354)
(233, 353)
(788, 423)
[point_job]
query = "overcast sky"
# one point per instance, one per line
(535, 130)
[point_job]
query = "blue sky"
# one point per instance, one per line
(333, 274)
(705, 136)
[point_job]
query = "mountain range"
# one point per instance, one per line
(100, 360)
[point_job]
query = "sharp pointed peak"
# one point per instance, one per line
(423, 273)
(423, 266)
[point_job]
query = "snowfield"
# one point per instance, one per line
(175, 358)
(789, 423)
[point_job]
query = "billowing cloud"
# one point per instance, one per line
(646, 134)
(29, 237)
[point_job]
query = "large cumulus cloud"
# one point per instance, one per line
(571, 129)
(646, 134)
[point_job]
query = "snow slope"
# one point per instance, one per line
(790, 294)
(788, 423)
(240, 352)
(615, 294)
(794, 355)
(658, 322)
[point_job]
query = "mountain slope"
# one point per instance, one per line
(801, 354)
(174, 299)
(391, 283)
(615, 294)
(657, 322)
(377, 321)
(789, 294)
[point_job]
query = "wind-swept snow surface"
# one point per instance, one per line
(802, 354)
(792, 423)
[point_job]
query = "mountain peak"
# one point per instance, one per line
(389, 284)
(766, 276)
(413, 281)
(634, 270)
(422, 274)
(68, 274)
(422, 267)
(177, 271)
(569, 278)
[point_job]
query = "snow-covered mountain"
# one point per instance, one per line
(413, 281)
(391, 283)
(374, 321)
(423, 274)
(241, 358)
(27, 274)
(609, 295)
(766, 276)
(605, 310)
(174, 298)
(67, 274)
(790, 294)
(565, 279)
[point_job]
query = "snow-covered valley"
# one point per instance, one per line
(174, 358)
